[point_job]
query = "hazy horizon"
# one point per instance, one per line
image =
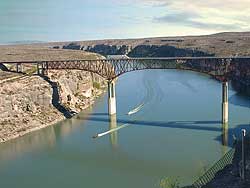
(80, 20)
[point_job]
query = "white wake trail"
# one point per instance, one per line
(110, 131)
(135, 110)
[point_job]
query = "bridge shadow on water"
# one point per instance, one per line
(226, 137)
(195, 125)
(98, 114)
(240, 100)
(56, 98)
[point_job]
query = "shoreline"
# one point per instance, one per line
(30, 103)
(13, 137)
(229, 176)
(53, 123)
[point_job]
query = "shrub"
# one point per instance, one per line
(96, 85)
(169, 183)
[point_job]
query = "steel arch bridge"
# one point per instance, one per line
(220, 67)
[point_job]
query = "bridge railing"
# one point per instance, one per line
(210, 173)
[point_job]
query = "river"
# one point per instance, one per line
(173, 131)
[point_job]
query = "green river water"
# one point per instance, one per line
(176, 132)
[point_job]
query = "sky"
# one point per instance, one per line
(70, 20)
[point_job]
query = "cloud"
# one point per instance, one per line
(191, 20)
(216, 15)
(178, 17)
(217, 4)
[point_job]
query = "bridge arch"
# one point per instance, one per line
(113, 68)
(221, 67)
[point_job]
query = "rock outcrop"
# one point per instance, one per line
(138, 51)
(164, 51)
(28, 103)
(241, 83)
(108, 49)
(71, 46)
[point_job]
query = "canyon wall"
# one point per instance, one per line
(137, 51)
(29, 103)
(240, 81)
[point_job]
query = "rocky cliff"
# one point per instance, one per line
(31, 102)
(108, 49)
(164, 51)
(219, 45)
(138, 51)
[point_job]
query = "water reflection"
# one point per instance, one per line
(224, 138)
(193, 125)
(178, 130)
(35, 141)
(230, 134)
(113, 135)
(240, 100)
(224, 135)
(42, 139)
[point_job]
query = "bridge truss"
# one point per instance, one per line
(219, 67)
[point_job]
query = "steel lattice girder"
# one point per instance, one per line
(112, 68)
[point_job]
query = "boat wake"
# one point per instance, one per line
(110, 131)
(150, 96)
(135, 110)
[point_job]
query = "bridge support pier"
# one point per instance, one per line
(39, 68)
(111, 98)
(42, 68)
(225, 102)
(19, 67)
(113, 135)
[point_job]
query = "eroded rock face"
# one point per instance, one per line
(139, 50)
(76, 88)
(164, 51)
(71, 46)
(26, 103)
(241, 85)
(108, 49)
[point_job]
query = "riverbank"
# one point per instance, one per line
(30, 103)
(229, 177)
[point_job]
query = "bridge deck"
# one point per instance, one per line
(222, 67)
(139, 58)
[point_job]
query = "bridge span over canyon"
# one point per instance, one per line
(221, 68)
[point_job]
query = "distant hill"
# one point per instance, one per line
(23, 42)
(220, 44)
